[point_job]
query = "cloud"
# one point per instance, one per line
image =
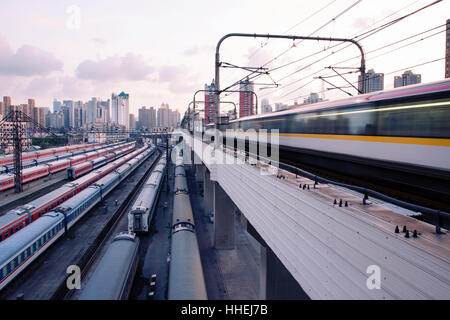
(130, 67)
(99, 40)
(179, 78)
(192, 50)
(257, 57)
(41, 85)
(362, 23)
(27, 61)
(171, 73)
(196, 49)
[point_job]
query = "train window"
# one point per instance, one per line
(29, 251)
(34, 247)
(11, 231)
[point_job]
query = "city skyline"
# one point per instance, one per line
(176, 62)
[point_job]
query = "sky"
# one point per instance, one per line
(163, 51)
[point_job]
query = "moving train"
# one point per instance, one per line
(114, 276)
(399, 136)
(186, 280)
(141, 213)
(40, 171)
(24, 215)
(23, 247)
(8, 159)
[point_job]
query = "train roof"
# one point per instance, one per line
(411, 90)
(9, 247)
(33, 169)
(77, 199)
(107, 280)
(36, 203)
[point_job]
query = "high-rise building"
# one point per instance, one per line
(447, 50)
(209, 103)
(372, 82)
(69, 112)
(176, 118)
(106, 108)
(56, 105)
(163, 116)
(246, 107)
(132, 122)
(36, 115)
(42, 117)
(55, 120)
(406, 79)
(265, 106)
(91, 111)
(147, 118)
(66, 115)
(313, 98)
(2, 110)
(120, 109)
(281, 106)
(7, 102)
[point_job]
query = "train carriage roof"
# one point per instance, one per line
(20, 239)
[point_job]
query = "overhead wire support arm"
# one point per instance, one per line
(340, 75)
(252, 69)
(275, 36)
(336, 87)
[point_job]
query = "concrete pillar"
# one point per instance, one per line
(276, 282)
(224, 209)
(208, 194)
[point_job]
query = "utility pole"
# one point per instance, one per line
(167, 162)
(18, 120)
(17, 141)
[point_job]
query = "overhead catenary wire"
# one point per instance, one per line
(284, 52)
(365, 34)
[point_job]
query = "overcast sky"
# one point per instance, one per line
(163, 51)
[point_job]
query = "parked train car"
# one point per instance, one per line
(7, 168)
(113, 277)
(8, 159)
(40, 171)
(24, 215)
(22, 248)
(141, 213)
(77, 171)
(186, 280)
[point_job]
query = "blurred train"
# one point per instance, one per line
(8, 159)
(114, 276)
(141, 214)
(23, 247)
(399, 136)
(40, 171)
(24, 215)
(186, 280)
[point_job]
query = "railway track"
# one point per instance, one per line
(91, 253)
